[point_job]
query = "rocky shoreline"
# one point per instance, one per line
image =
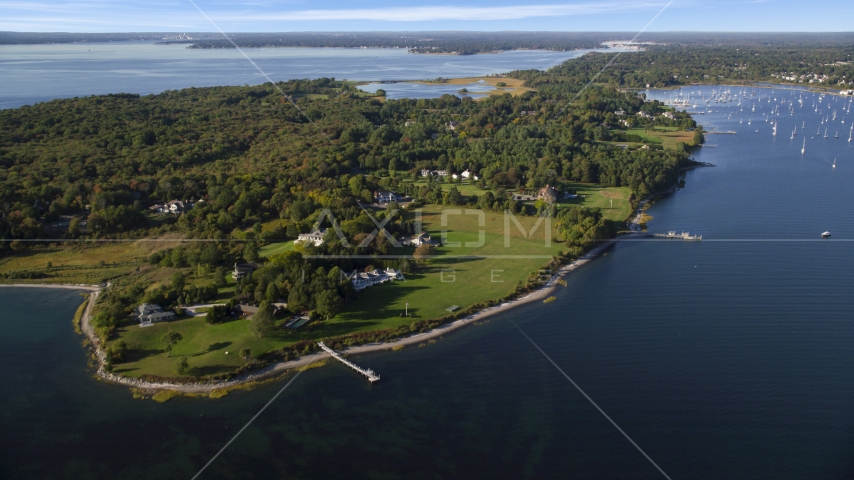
(280, 368)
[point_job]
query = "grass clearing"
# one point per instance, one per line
(276, 248)
(596, 196)
(87, 263)
(668, 137)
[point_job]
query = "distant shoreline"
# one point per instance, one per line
(64, 286)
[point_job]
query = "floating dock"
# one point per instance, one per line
(372, 375)
(678, 236)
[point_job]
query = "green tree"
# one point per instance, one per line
(169, 339)
(178, 282)
(328, 303)
(454, 197)
(423, 252)
(183, 366)
(219, 277)
(215, 314)
(74, 227)
(297, 299)
(262, 323)
(272, 294)
(250, 252)
(117, 351)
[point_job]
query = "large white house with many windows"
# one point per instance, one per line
(363, 280)
(315, 238)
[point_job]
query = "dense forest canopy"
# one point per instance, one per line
(669, 65)
(251, 156)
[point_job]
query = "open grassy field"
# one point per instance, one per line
(204, 345)
(596, 196)
(466, 188)
(277, 247)
(452, 278)
(89, 263)
(668, 137)
(480, 268)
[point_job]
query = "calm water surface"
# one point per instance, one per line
(726, 358)
(37, 73)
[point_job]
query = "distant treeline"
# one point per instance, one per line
(417, 42)
(30, 38)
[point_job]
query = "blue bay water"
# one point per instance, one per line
(37, 73)
(726, 358)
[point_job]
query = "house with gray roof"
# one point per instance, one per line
(149, 313)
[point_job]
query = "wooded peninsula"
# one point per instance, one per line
(258, 227)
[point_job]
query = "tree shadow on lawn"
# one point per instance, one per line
(137, 354)
(212, 348)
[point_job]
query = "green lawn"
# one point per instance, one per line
(596, 196)
(274, 248)
(76, 263)
(204, 345)
(668, 137)
(446, 280)
(468, 188)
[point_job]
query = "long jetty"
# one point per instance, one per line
(372, 375)
(679, 236)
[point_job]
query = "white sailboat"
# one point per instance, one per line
(804, 148)
(775, 131)
(825, 132)
(834, 163)
(851, 133)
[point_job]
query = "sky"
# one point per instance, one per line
(424, 15)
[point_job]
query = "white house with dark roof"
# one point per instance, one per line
(422, 239)
(315, 237)
(383, 197)
(243, 269)
(174, 207)
(149, 313)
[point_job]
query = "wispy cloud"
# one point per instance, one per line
(453, 12)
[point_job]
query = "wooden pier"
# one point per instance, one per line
(372, 375)
(678, 236)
